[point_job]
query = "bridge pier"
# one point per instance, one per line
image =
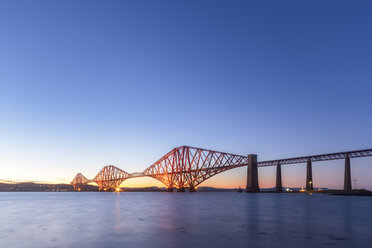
(252, 174)
(279, 187)
(169, 189)
(309, 175)
(182, 189)
(347, 177)
(192, 189)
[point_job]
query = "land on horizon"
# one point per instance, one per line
(32, 186)
(38, 187)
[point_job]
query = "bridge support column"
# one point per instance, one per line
(309, 176)
(347, 178)
(169, 189)
(252, 174)
(279, 187)
(192, 189)
(182, 189)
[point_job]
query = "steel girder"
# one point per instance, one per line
(110, 177)
(189, 166)
(320, 157)
(78, 181)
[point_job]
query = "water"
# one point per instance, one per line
(183, 220)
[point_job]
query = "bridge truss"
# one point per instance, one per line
(79, 181)
(316, 158)
(187, 167)
(110, 177)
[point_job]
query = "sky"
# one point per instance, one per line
(84, 84)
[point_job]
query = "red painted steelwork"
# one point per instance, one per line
(189, 166)
(183, 167)
(78, 181)
(110, 177)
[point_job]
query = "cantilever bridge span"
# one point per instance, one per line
(187, 167)
(181, 168)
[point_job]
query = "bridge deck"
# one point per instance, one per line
(320, 157)
(194, 165)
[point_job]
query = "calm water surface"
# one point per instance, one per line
(184, 220)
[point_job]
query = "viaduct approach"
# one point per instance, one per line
(186, 167)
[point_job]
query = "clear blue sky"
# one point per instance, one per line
(89, 83)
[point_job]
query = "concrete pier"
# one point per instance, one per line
(252, 174)
(279, 186)
(347, 178)
(309, 176)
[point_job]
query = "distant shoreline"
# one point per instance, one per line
(37, 187)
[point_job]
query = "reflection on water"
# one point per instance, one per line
(183, 220)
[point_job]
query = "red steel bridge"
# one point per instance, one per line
(186, 167)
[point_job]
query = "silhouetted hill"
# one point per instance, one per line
(39, 187)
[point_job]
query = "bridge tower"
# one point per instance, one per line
(309, 175)
(252, 174)
(279, 187)
(347, 178)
